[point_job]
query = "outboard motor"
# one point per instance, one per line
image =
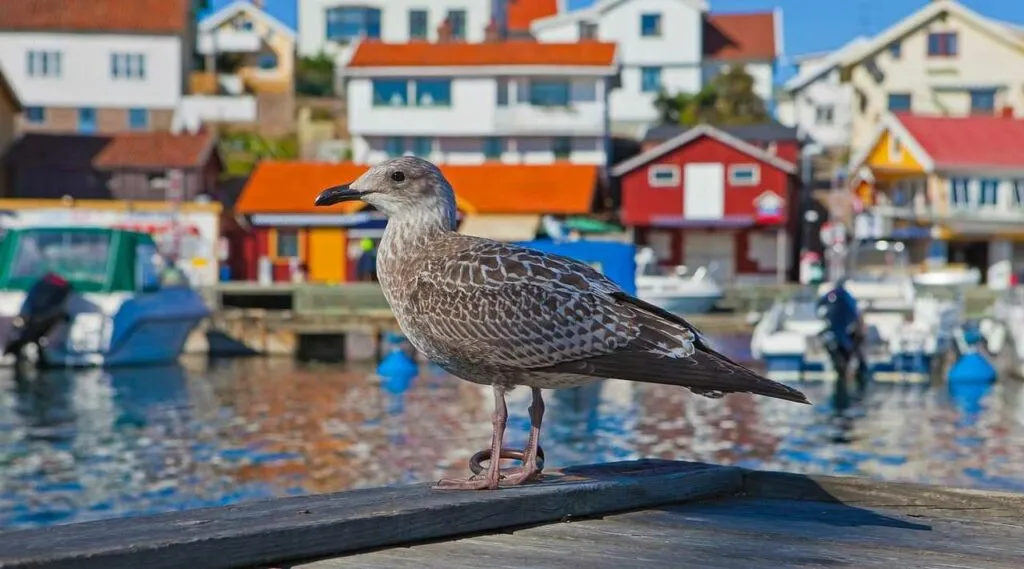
(842, 336)
(45, 306)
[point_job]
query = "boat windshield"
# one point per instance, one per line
(76, 256)
(879, 261)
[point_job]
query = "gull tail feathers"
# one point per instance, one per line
(704, 373)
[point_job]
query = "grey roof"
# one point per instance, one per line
(763, 132)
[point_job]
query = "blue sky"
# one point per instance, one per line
(808, 25)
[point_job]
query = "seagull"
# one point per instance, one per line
(503, 315)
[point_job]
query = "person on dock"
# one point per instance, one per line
(503, 315)
(844, 334)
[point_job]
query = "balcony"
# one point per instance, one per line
(228, 41)
(533, 119)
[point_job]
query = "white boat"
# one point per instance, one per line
(675, 289)
(1004, 333)
(908, 328)
(115, 311)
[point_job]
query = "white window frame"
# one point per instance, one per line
(753, 181)
(1017, 193)
(968, 202)
(981, 193)
(824, 115)
(655, 182)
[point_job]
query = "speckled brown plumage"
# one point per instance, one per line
(503, 315)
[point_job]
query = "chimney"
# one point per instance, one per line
(257, 3)
(492, 34)
(444, 32)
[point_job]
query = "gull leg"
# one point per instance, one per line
(490, 480)
(531, 468)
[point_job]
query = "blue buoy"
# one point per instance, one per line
(971, 368)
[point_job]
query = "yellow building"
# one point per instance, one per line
(947, 180)
(943, 59)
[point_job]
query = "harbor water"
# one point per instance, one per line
(92, 444)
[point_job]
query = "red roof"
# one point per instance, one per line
(740, 37)
(973, 141)
(140, 16)
(155, 149)
(522, 52)
(522, 13)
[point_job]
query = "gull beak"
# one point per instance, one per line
(337, 194)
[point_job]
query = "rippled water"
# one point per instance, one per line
(78, 446)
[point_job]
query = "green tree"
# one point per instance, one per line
(728, 99)
(314, 76)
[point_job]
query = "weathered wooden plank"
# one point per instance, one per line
(276, 531)
(723, 534)
(867, 492)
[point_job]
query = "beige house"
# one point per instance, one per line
(944, 59)
(10, 108)
(246, 50)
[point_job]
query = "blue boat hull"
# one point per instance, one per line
(901, 368)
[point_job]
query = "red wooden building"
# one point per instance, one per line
(706, 197)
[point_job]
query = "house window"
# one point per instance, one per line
(418, 24)
(650, 79)
(457, 23)
(663, 176)
(394, 146)
(549, 93)
(942, 44)
(983, 102)
(128, 66)
(899, 102)
(434, 92)
(1018, 193)
(502, 92)
(650, 25)
(138, 119)
(588, 31)
(959, 193)
(744, 175)
(286, 243)
(895, 149)
(390, 92)
(561, 146)
(348, 23)
(44, 63)
(824, 115)
(493, 147)
(422, 146)
(35, 115)
(87, 120)
(988, 194)
(896, 49)
(267, 61)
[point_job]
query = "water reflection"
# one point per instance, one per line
(84, 445)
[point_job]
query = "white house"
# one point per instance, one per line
(328, 26)
(461, 103)
(660, 48)
(750, 39)
(822, 104)
(97, 66)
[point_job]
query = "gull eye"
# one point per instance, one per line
(398, 176)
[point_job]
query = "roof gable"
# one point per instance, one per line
(693, 134)
(925, 15)
(890, 126)
(220, 17)
(742, 37)
(104, 16)
(830, 62)
(486, 188)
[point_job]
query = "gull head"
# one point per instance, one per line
(406, 186)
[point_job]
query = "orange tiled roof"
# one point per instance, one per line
(378, 54)
(141, 16)
(291, 187)
(522, 13)
(155, 150)
(740, 37)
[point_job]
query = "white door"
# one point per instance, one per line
(715, 250)
(704, 191)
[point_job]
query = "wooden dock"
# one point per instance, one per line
(648, 513)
